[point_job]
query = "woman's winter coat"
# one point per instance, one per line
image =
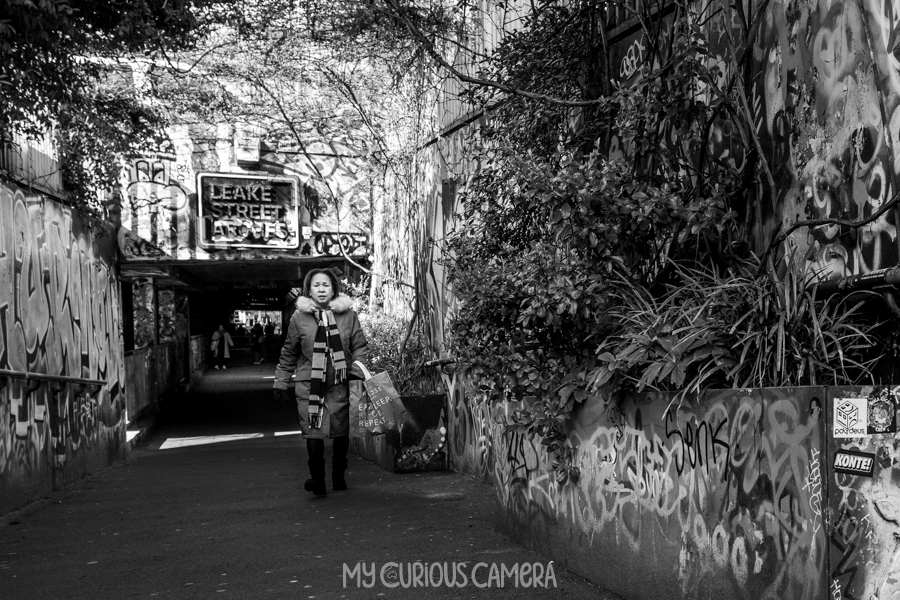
(221, 338)
(296, 360)
(297, 353)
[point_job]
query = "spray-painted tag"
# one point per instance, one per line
(854, 463)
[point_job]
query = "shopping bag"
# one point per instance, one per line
(364, 419)
(372, 404)
(383, 397)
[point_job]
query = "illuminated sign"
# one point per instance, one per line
(247, 211)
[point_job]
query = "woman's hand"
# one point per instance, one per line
(283, 396)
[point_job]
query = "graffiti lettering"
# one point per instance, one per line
(698, 445)
(57, 316)
(845, 538)
(715, 477)
(632, 60)
(813, 487)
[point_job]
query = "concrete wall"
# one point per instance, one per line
(732, 497)
(59, 315)
(199, 347)
(139, 386)
(154, 374)
(159, 360)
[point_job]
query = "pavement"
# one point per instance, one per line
(209, 504)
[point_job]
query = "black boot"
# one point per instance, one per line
(339, 463)
(316, 481)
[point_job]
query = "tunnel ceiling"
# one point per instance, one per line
(237, 274)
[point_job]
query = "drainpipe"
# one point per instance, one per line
(884, 281)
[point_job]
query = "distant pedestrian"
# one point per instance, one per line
(323, 341)
(221, 341)
(257, 339)
(270, 343)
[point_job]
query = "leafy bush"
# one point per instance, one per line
(385, 334)
(59, 73)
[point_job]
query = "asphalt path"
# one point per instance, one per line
(209, 504)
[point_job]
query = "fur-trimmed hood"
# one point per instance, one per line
(341, 304)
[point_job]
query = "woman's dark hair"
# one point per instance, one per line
(307, 281)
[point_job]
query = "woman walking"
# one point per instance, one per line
(221, 341)
(256, 343)
(323, 341)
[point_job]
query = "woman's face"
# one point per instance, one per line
(320, 288)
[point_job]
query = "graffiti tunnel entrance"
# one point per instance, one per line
(170, 311)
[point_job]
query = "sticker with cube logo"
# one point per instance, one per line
(851, 417)
(854, 463)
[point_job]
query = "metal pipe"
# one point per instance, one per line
(866, 281)
(4, 373)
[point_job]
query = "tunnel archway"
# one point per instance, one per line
(170, 310)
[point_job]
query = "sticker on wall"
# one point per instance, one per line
(882, 412)
(851, 417)
(854, 463)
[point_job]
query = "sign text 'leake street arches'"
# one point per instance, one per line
(247, 211)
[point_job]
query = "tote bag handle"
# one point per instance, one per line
(366, 373)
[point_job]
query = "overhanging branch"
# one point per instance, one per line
(436, 56)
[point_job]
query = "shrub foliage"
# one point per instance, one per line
(607, 249)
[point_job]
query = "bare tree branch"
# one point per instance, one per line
(280, 106)
(436, 56)
(778, 238)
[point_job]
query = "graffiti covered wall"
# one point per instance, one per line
(721, 500)
(59, 315)
(161, 219)
(159, 211)
(828, 98)
(825, 93)
(734, 497)
(864, 505)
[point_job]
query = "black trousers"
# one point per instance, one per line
(316, 450)
(219, 358)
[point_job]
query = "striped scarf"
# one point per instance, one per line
(328, 342)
